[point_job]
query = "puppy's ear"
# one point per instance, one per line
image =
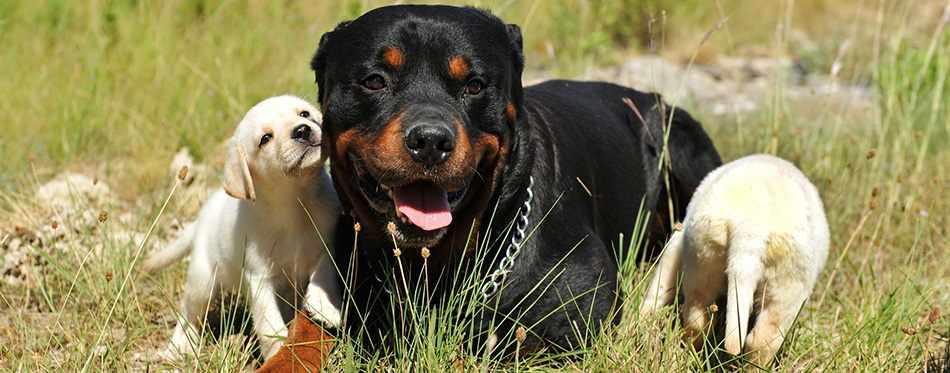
(237, 175)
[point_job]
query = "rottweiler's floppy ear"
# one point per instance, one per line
(514, 36)
(517, 63)
(319, 61)
(237, 175)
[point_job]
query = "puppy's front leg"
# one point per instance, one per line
(324, 298)
(268, 323)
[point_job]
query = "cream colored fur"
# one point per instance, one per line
(266, 233)
(756, 232)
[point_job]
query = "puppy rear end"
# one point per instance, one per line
(755, 230)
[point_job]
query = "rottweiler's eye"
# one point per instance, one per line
(374, 82)
(266, 138)
(305, 114)
(474, 87)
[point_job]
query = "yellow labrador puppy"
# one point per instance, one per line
(756, 232)
(267, 232)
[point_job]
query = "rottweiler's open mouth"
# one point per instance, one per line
(413, 204)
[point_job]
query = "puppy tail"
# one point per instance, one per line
(172, 253)
(744, 273)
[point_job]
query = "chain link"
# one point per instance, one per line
(497, 278)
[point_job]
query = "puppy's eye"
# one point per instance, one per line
(305, 114)
(374, 82)
(474, 87)
(265, 139)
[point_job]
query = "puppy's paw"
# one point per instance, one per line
(323, 306)
(171, 354)
(183, 343)
(322, 309)
(271, 345)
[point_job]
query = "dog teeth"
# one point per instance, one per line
(402, 217)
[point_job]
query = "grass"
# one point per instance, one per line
(113, 89)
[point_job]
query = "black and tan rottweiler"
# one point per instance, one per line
(434, 144)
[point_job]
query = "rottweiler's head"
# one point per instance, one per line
(419, 106)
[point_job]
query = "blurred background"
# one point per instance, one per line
(117, 87)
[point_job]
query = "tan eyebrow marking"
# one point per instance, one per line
(394, 57)
(458, 68)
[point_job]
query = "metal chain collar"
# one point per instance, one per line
(497, 278)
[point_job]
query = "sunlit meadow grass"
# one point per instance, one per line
(113, 89)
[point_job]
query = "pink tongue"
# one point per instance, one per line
(425, 204)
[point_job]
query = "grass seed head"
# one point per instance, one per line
(182, 173)
(875, 191)
(871, 153)
(357, 227)
(95, 180)
(678, 226)
(908, 330)
(713, 308)
(108, 276)
(521, 334)
(103, 216)
(934, 315)
(873, 204)
(397, 252)
(425, 253)
(55, 224)
(391, 227)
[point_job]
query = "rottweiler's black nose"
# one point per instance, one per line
(302, 133)
(430, 143)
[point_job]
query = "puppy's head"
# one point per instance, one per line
(278, 142)
(420, 104)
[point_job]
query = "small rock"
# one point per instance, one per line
(70, 192)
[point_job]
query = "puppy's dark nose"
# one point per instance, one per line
(430, 143)
(302, 133)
